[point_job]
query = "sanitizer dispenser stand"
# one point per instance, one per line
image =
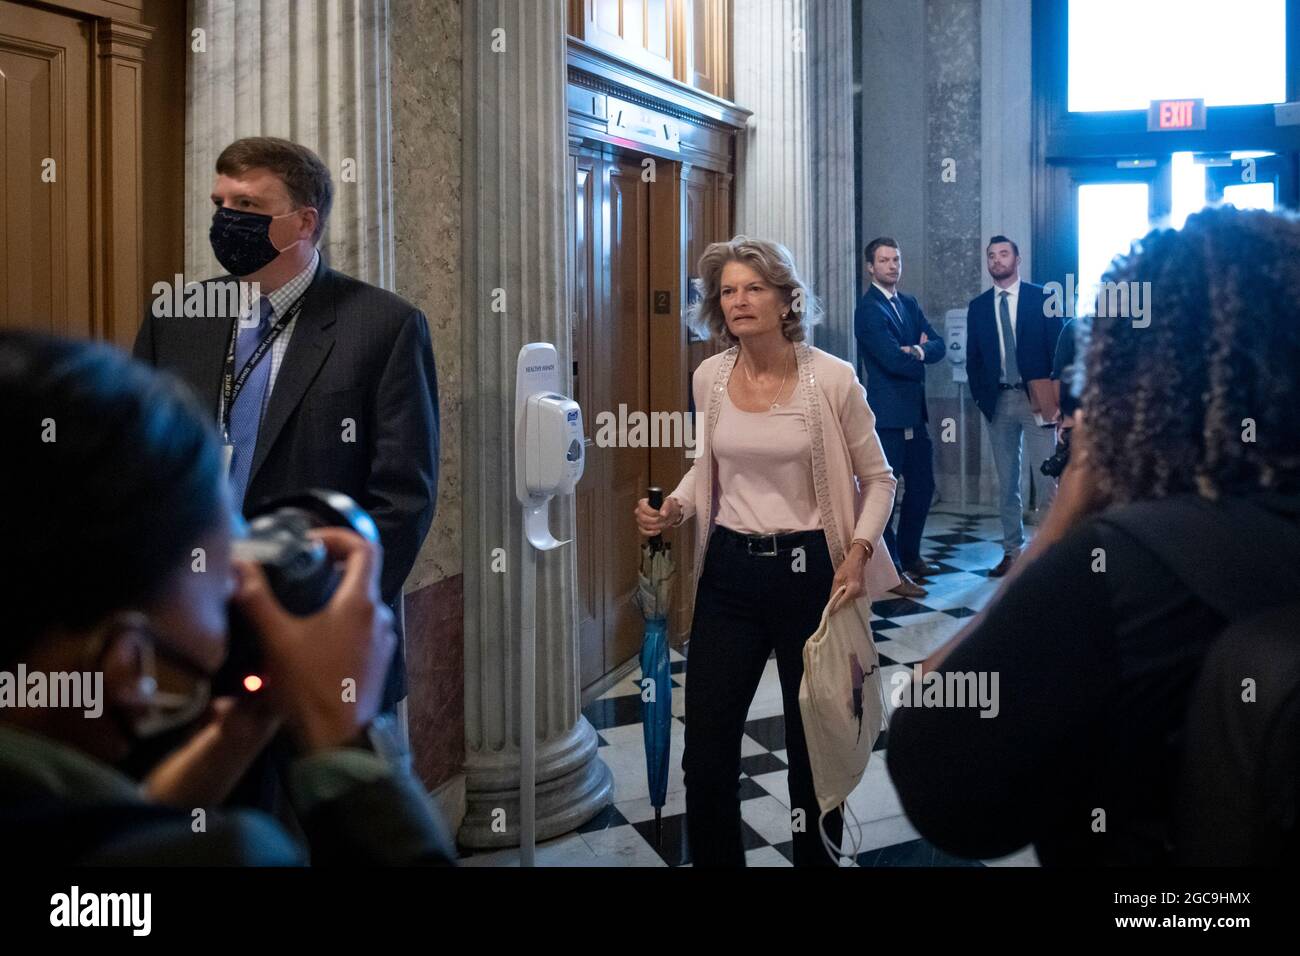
(548, 462)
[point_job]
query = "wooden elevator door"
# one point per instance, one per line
(609, 260)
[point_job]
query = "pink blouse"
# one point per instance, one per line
(765, 482)
(853, 483)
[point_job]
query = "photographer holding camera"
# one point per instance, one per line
(1066, 377)
(1164, 582)
(121, 571)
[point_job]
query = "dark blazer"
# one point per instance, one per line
(895, 381)
(1036, 336)
(357, 352)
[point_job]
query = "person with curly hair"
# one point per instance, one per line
(1177, 524)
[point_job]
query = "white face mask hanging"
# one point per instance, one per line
(166, 710)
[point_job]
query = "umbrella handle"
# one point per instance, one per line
(655, 494)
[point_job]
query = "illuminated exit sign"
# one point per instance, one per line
(1175, 114)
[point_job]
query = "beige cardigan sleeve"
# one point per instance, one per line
(876, 481)
(685, 490)
(685, 493)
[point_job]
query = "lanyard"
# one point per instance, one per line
(232, 385)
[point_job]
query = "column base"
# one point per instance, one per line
(573, 785)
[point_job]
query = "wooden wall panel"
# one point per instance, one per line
(643, 32)
(72, 234)
(162, 128)
(705, 38)
(46, 106)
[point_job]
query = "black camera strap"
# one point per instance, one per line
(232, 384)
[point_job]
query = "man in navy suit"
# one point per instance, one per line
(895, 343)
(1011, 340)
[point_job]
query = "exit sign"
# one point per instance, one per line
(1175, 114)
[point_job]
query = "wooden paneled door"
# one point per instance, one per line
(71, 232)
(45, 226)
(706, 218)
(610, 258)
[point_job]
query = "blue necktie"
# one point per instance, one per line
(898, 317)
(246, 413)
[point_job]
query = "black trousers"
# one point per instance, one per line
(746, 606)
(913, 461)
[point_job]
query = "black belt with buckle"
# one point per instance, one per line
(767, 545)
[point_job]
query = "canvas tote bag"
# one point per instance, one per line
(841, 699)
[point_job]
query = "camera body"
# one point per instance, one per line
(300, 573)
(1054, 466)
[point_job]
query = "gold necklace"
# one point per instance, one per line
(779, 389)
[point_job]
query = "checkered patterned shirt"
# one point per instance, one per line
(281, 299)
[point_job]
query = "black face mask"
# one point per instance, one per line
(241, 241)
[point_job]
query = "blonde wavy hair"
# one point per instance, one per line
(773, 262)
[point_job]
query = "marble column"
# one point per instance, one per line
(894, 121)
(955, 273)
(835, 260)
(514, 241)
(1006, 167)
(1006, 163)
(773, 168)
(315, 73)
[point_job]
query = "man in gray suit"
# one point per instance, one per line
(323, 381)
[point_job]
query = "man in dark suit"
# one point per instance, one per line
(895, 343)
(1010, 341)
(340, 391)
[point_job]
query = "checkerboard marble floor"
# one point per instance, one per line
(965, 546)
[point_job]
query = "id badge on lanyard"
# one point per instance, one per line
(232, 385)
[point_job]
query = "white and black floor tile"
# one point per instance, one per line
(964, 546)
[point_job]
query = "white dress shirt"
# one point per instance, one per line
(889, 297)
(1013, 299)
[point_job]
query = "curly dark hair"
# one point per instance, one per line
(1205, 397)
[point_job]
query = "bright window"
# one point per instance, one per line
(1251, 196)
(1125, 53)
(1111, 216)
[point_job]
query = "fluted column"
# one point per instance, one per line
(315, 73)
(830, 101)
(515, 291)
(773, 193)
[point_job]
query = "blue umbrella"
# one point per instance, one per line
(653, 593)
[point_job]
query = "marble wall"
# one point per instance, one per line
(830, 120)
(425, 66)
(953, 245)
(314, 73)
(773, 159)
(426, 120)
(944, 164)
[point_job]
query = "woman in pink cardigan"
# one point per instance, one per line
(791, 492)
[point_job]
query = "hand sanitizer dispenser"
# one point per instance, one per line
(549, 454)
(553, 456)
(549, 457)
